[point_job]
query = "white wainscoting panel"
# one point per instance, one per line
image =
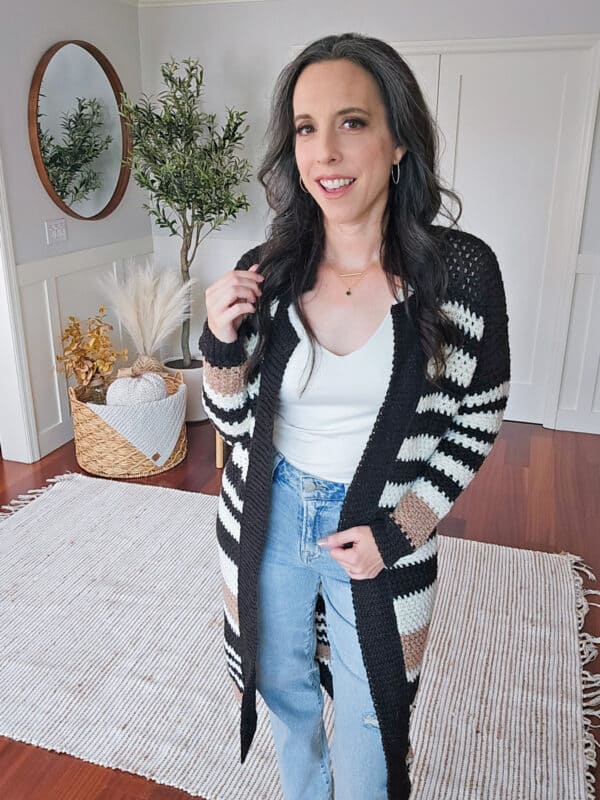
(51, 290)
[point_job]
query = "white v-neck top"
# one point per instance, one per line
(324, 431)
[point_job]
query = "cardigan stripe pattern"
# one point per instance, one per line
(426, 446)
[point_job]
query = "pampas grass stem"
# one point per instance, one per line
(150, 304)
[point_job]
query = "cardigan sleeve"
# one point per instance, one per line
(467, 440)
(225, 392)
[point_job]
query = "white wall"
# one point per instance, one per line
(27, 31)
(255, 41)
(242, 47)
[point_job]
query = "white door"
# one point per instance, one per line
(18, 438)
(515, 125)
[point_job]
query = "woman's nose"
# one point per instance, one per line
(327, 149)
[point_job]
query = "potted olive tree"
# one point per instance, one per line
(191, 172)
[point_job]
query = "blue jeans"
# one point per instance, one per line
(305, 508)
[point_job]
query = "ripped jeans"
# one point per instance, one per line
(305, 508)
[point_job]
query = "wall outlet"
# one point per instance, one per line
(56, 231)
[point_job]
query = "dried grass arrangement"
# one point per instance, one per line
(150, 305)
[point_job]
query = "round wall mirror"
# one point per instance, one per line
(77, 137)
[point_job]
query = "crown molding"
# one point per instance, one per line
(155, 3)
(559, 41)
(574, 41)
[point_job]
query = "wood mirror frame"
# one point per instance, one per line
(32, 112)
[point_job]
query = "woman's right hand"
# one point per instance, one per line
(230, 299)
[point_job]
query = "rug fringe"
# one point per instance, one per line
(32, 494)
(590, 682)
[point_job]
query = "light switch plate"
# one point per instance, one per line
(56, 231)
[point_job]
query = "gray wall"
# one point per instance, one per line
(27, 30)
(244, 45)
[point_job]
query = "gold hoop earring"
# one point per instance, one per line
(396, 179)
(302, 186)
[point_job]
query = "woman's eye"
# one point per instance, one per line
(358, 122)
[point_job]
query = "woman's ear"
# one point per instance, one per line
(399, 152)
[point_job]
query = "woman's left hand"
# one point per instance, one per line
(363, 559)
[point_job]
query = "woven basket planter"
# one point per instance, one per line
(101, 450)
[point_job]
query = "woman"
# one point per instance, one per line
(332, 492)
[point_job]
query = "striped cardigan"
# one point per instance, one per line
(425, 447)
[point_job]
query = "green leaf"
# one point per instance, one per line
(190, 169)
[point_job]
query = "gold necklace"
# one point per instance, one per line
(350, 274)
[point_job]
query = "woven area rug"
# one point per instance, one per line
(110, 650)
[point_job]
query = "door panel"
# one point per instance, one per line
(513, 124)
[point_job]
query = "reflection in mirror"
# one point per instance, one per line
(78, 139)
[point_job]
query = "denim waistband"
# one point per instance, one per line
(304, 483)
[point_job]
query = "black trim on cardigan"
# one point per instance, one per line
(372, 598)
(253, 527)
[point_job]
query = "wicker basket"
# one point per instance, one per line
(100, 450)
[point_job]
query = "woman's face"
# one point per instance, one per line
(333, 141)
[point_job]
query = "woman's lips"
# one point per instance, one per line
(333, 193)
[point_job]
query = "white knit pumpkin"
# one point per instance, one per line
(144, 388)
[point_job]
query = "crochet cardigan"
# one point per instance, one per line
(425, 447)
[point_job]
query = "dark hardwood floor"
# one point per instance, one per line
(538, 489)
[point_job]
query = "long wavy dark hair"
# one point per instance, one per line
(411, 245)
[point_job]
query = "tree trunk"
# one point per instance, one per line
(185, 276)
